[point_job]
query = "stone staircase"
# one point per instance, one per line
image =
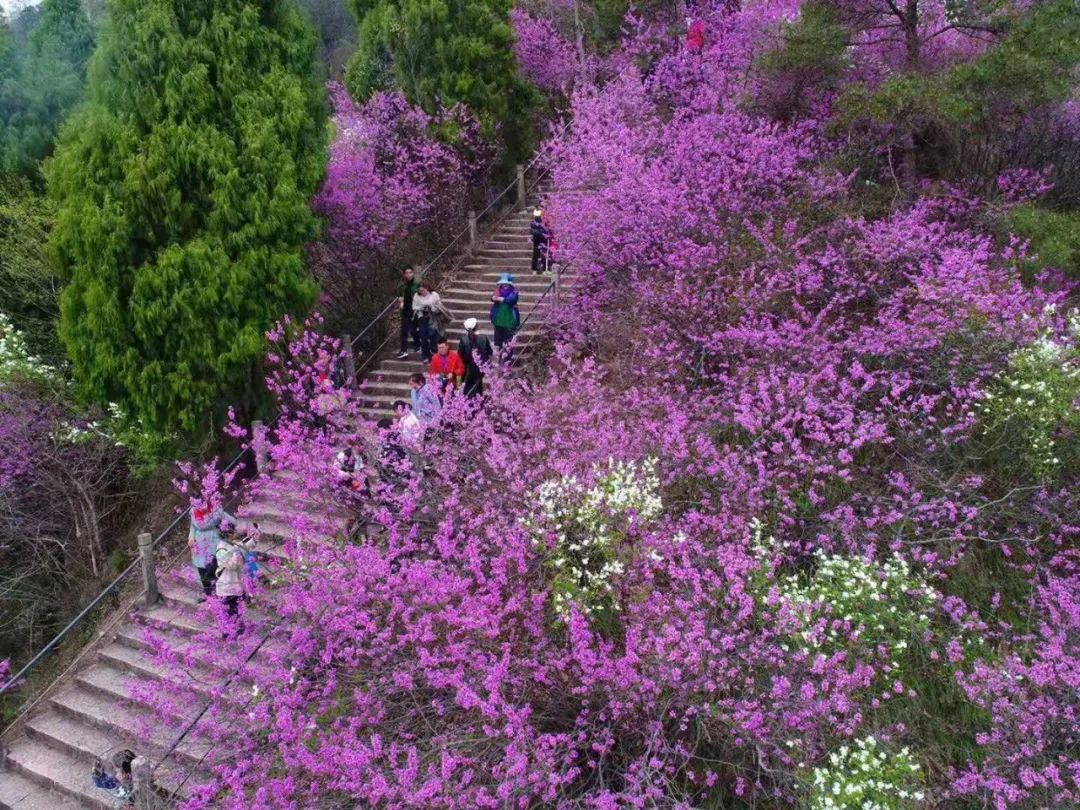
(46, 763)
(98, 711)
(468, 295)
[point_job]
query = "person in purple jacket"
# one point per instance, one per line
(504, 311)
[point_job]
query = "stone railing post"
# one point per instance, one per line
(473, 234)
(262, 461)
(520, 186)
(143, 783)
(146, 555)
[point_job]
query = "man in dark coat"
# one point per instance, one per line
(540, 234)
(474, 350)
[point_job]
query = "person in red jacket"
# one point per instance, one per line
(446, 366)
(695, 34)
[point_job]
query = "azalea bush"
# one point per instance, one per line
(395, 192)
(854, 601)
(755, 346)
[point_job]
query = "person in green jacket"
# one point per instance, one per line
(406, 290)
(504, 311)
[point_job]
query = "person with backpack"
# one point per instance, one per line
(424, 400)
(406, 292)
(504, 311)
(434, 319)
(446, 367)
(203, 536)
(475, 351)
(230, 576)
(540, 235)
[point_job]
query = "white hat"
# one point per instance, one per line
(470, 324)
(538, 212)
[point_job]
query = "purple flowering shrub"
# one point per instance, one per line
(544, 56)
(393, 190)
(746, 535)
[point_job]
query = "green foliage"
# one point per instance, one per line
(182, 188)
(29, 290)
(442, 52)
(64, 33)
(816, 42)
(813, 56)
(1032, 65)
(41, 80)
(1054, 237)
(1030, 415)
(336, 29)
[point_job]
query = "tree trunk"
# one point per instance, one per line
(913, 59)
(579, 33)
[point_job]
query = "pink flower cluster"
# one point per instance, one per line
(544, 56)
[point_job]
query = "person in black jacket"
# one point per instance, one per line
(540, 235)
(409, 325)
(474, 350)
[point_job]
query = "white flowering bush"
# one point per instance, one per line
(17, 362)
(18, 366)
(849, 599)
(590, 524)
(865, 776)
(1032, 409)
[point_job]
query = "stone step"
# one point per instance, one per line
(510, 264)
(132, 724)
(85, 743)
(19, 793)
(58, 770)
(140, 664)
(133, 637)
(527, 283)
(486, 274)
(115, 685)
(474, 303)
(166, 617)
(522, 251)
(88, 742)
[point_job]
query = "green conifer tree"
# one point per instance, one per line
(441, 52)
(44, 81)
(182, 187)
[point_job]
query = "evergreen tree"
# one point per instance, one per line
(441, 52)
(64, 33)
(42, 83)
(182, 188)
